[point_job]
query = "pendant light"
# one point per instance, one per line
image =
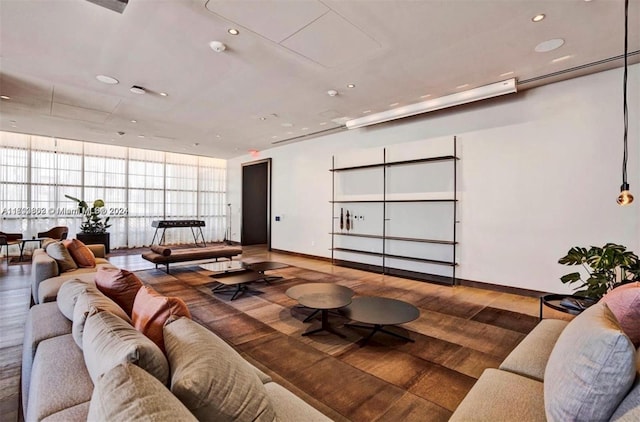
(625, 197)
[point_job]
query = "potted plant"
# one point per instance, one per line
(607, 267)
(93, 229)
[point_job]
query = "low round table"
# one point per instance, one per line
(569, 304)
(379, 312)
(322, 297)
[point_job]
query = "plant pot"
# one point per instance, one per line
(95, 239)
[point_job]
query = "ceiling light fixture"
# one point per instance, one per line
(217, 46)
(107, 79)
(134, 121)
(625, 197)
(233, 31)
(351, 86)
(332, 92)
(538, 18)
(138, 90)
(463, 97)
(164, 94)
(5, 97)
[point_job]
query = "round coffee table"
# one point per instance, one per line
(379, 312)
(322, 297)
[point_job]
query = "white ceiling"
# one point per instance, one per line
(278, 70)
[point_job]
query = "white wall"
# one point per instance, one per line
(539, 172)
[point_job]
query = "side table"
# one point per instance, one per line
(569, 304)
(25, 241)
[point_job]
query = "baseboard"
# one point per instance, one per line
(302, 255)
(499, 288)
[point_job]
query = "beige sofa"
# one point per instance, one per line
(581, 370)
(208, 379)
(46, 277)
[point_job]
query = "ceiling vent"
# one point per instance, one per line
(115, 5)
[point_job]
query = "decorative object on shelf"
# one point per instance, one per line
(93, 223)
(348, 221)
(607, 266)
(341, 219)
(625, 197)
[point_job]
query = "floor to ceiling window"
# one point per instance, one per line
(138, 186)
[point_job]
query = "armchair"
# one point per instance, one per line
(8, 239)
(57, 233)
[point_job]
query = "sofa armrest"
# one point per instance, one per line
(98, 250)
(42, 268)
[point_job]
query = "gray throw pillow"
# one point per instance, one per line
(128, 393)
(590, 370)
(92, 298)
(59, 252)
(108, 341)
(210, 378)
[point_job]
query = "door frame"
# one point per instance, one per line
(253, 163)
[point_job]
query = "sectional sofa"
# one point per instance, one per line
(584, 370)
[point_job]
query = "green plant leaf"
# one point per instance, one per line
(570, 278)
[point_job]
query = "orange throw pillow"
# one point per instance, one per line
(121, 286)
(151, 310)
(82, 255)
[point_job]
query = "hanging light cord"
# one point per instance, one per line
(624, 93)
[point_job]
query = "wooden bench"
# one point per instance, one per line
(160, 255)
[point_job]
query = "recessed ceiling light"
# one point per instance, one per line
(425, 96)
(287, 125)
(263, 118)
(140, 136)
(137, 90)
(366, 112)
(164, 94)
(5, 97)
(332, 92)
(218, 136)
(233, 31)
(351, 86)
(134, 121)
(462, 86)
(561, 59)
(538, 18)
(549, 45)
(107, 79)
(323, 123)
(506, 73)
(393, 104)
(305, 128)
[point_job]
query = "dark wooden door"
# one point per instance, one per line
(256, 189)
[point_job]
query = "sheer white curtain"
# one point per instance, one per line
(138, 186)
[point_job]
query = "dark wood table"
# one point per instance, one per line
(263, 266)
(25, 241)
(240, 281)
(556, 301)
(379, 312)
(322, 297)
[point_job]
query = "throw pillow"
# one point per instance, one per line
(151, 310)
(128, 393)
(92, 298)
(82, 255)
(161, 250)
(624, 302)
(591, 368)
(108, 341)
(68, 295)
(57, 251)
(121, 286)
(210, 378)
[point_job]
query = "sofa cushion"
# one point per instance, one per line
(211, 378)
(624, 302)
(48, 289)
(57, 251)
(92, 298)
(151, 310)
(502, 396)
(128, 393)
(530, 357)
(591, 368)
(59, 378)
(75, 413)
(68, 295)
(44, 321)
(289, 407)
(108, 341)
(121, 286)
(82, 255)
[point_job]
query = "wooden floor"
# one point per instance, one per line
(464, 325)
